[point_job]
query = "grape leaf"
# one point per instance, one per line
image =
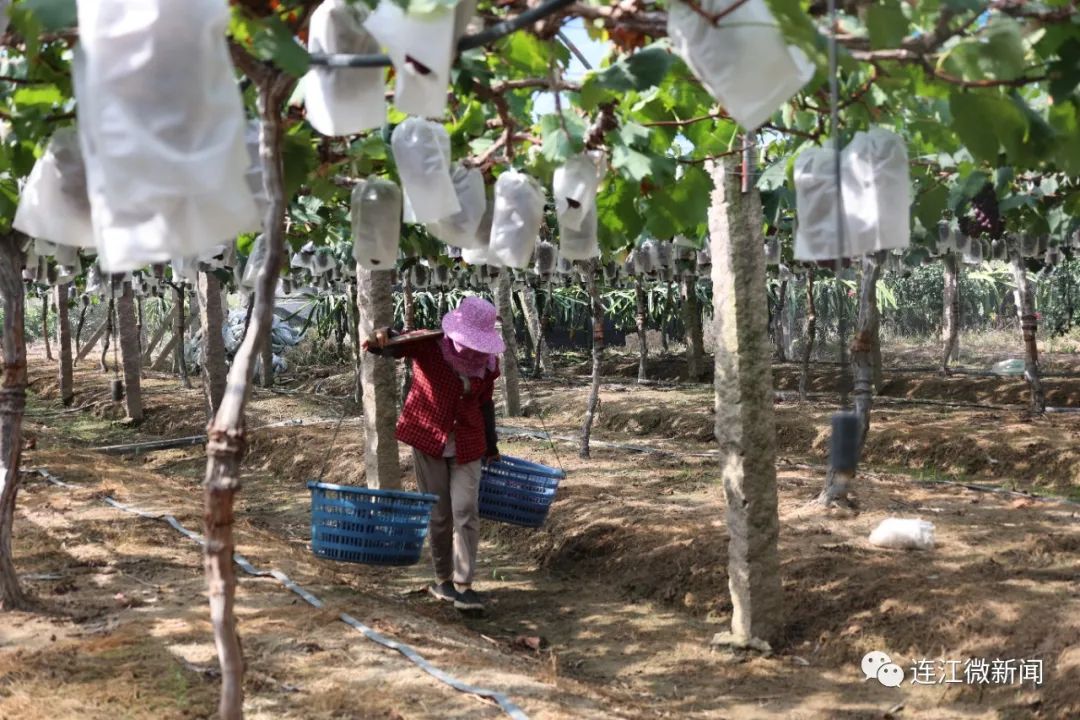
(886, 24)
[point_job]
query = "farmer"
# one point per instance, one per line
(449, 421)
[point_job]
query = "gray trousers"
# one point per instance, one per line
(455, 520)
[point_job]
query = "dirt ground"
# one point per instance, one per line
(621, 590)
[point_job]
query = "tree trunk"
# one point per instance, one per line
(213, 341)
(63, 343)
(169, 351)
(408, 317)
(695, 340)
(139, 327)
(266, 360)
(129, 351)
(841, 334)
(45, 325)
(640, 317)
(787, 322)
(179, 329)
(950, 327)
(101, 331)
(79, 326)
(810, 331)
(596, 312)
(745, 427)
(12, 404)
(375, 298)
(357, 341)
(867, 324)
(540, 351)
(155, 339)
(1029, 325)
(778, 322)
(110, 328)
(665, 316)
(509, 380)
(548, 364)
(226, 435)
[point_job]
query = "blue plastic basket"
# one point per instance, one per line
(517, 491)
(375, 527)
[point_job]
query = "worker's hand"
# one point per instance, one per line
(378, 339)
(492, 458)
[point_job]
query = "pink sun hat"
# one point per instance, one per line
(472, 324)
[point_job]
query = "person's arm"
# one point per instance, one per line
(387, 341)
(487, 410)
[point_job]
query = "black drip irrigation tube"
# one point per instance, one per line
(504, 702)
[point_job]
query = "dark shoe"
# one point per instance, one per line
(470, 600)
(443, 591)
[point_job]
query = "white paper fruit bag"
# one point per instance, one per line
(480, 253)
(343, 101)
(253, 266)
(816, 205)
(255, 175)
(877, 192)
(376, 223)
(421, 47)
(54, 204)
(583, 243)
(459, 229)
(518, 214)
(422, 153)
(161, 124)
(574, 187)
(744, 61)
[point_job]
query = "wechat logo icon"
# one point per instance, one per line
(877, 665)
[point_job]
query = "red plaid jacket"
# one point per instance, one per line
(438, 405)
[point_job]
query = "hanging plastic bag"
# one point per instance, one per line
(422, 152)
(743, 60)
(255, 261)
(376, 223)
(460, 228)
(255, 175)
(69, 270)
(663, 255)
(161, 123)
(421, 47)
(772, 251)
(574, 187)
(481, 253)
(54, 204)
(583, 243)
(324, 262)
(518, 215)
(545, 259)
(974, 253)
(646, 258)
(704, 259)
(877, 192)
(815, 203)
(343, 101)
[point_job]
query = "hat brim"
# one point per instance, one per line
(489, 341)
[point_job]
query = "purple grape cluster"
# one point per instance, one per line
(983, 217)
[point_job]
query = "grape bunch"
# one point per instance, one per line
(983, 217)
